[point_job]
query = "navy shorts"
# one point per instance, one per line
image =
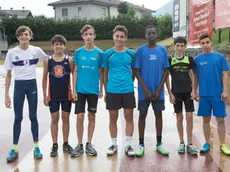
(157, 105)
(209, 105)
(55, 105)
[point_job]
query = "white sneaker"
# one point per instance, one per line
(129, 151)
(112, 150)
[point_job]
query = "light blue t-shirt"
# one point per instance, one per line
(119, 66)
(151, 62)
(89, 63)
(209, 68)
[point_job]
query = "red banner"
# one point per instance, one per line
(222, 19)
(200, 20)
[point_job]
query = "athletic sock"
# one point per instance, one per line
(15, 147)
(141, 141)
(128, 140)
(35, 145)
(159, 138)
(114, 141)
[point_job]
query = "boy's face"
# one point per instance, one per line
(206, 44)
(58, 47)
(179, 47)
(24, 37)
(88, 36)
(119, 38)
(151, 35)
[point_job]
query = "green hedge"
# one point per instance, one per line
(45, 28)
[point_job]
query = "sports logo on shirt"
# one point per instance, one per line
(26, 62)
(93, 58)
(203, 63)
(83, 58)
(16, 58)
(152, 57)
(87, 67)
(58, 71)
(34, 56)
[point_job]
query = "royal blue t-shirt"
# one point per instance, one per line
(89, 63)
(151, 62)
(209, 68)
(119, 65)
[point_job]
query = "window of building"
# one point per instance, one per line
(104, 12)
(79, 11)
(64, 12)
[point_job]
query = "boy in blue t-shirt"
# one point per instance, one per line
(87, 73)
(118, 81)
(152, 71)
(212, 78)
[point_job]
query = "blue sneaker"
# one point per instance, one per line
(181, 148)
(192, 149)
(37, 153)
(205, 148)
(12, 155)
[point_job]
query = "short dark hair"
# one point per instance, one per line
(180, 39)
(58, 38)
(121, 28)
(205, 35)
(149, 27)
(21, 29)
(86, 28)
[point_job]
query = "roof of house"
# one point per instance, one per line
(2, 13)
(24, 13)
(100, 2)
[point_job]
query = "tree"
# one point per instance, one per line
(164, 26)
(131, 12)
(123, 8)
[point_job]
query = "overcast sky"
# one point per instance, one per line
(40, 7)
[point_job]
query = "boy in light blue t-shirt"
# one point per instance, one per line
(118, 80)
(86, 76)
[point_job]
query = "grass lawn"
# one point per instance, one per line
(103, 44)
(1, 61)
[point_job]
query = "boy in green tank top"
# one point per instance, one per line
(181, 91)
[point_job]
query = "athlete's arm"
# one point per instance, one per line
(164, 77)
(148, 93)
(105, 78)
(133, 73)
(168, 85)
(71, 65)
(75, 82)
(196, 83)
(72, 68)
(7, 88)
(44, 81)
(224, 95)
(171, 96)
(192, 77)
(101, 82)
